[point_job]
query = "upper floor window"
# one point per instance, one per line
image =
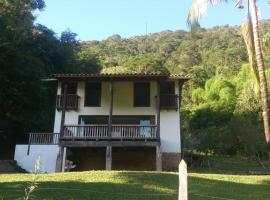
(92, 94)
(71, 88)
(168, 98)
(167, 87)
(142, 94)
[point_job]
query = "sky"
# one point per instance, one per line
(99, 19)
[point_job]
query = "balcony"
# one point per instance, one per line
(118, 132)
(71, 102)
(43, 138)
(168, 101)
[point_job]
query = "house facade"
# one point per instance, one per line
(113, 122)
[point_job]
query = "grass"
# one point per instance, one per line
(121, 185)
(230, 165)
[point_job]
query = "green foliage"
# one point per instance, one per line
(179, 51)
(224, 116)
(29, 53)
(217, 94)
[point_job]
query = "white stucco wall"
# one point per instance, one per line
(170, 129)
(47, 154)
(123, 105)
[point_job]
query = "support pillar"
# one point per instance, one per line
(110, 110)
(59, 159)
(158, 158)
(180, 87)
(109, 157)
(158, 110)
(58, 167)
(64, 107)
(109, 147)
(64, 159)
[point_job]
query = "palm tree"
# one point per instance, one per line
(252, 38)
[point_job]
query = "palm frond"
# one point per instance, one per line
(198, 10)
(247, 33)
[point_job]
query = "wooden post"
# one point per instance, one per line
(158, 110)
(109, 157)
(158, 158)
(180, 86)
(183, 190)
(29, 143)
(64, 159)
(110, 110)
(59, 159)
(64, 107)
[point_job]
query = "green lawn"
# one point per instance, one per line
(104, 185)
(230, 165)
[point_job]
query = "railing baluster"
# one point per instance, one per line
(99, 132)
(71, 100)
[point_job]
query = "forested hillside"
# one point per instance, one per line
(220, 112)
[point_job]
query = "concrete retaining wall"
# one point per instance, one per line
(47, 154)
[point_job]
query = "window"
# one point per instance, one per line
(168, 98)
(167, 88)
(92, 94)
(142, 94)
(71, 88)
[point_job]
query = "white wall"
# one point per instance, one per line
(47, 154)
(123, 105)
(170, 129)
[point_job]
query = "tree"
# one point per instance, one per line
(199, 9)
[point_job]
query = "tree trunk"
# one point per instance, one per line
(261, 70)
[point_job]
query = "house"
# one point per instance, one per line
(111, 121)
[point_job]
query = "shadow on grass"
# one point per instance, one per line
(138, 185)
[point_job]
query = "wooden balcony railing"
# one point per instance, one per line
(118, 132)
(72, 101)
(43, 138)
(168, 101)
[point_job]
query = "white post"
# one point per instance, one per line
(64, 159)
(183, 190)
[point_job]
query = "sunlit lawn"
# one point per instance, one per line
(135, 185)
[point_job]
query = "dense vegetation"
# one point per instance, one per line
(29, 52)
(220, 113)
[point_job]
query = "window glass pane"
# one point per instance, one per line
(141, 94)
(92, 94)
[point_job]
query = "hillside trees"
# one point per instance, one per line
(199, 9)
(29, 53)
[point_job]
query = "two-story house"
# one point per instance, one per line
(111, 121)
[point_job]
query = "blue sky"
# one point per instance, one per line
(98, 19)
